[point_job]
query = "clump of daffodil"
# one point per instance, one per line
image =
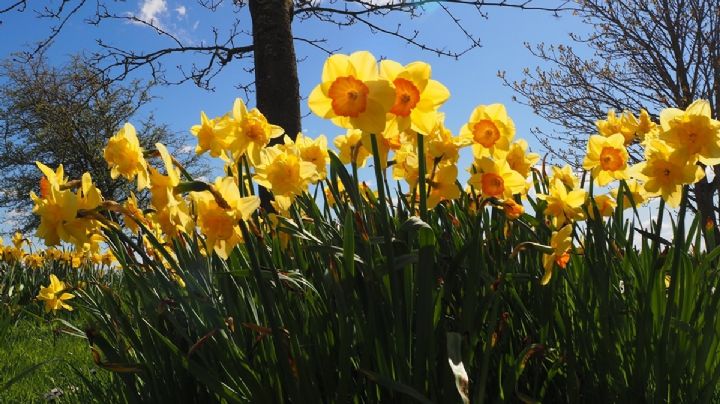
(54, 295)
(443, 185)
(563, 205)
(125, 156)
(417, 97)
(285, 173)
(351, 149)
(213, 135)
(607, 158)
(605, 205)
(313, 151)
(219, 224)
(352, 94)
(495, 179)
(489, 129)
(665, 171)
(252, 132)
(560, 242)
(692, 132)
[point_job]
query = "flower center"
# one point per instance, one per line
(611, 159)
(254, 129)
(349, 96)
(406, 97)
(486, 133)
(493, 185)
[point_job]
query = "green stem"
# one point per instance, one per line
(679, 243)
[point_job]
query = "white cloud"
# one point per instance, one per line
(150, 10)
(181, 11)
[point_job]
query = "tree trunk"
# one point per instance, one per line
(276, 79)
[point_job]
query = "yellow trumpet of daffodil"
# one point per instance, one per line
(563, 206)
(417, 97)
(252, 132)
(665, 171)
(495, 178)
(125, 156)
(560, 242)
(692, 132)
(54, 295)
(607, 158)
(172, 212)
(488, 129)
(352, 94)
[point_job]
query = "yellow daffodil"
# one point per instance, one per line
(313, 151)
(665, 171)
(563, 206)
(636, 197)
(512, 209)
(417, 97)
(692, 133)
(125, 156)
(566, 175)
(443, 185)
(489, 128)
(607, 158)
(213, 135)
(518, 158)
(284, 173)
(252, 132)
(496, 179)
(645, 124)
(605, 205)
(441, 145)
(351, 148)
(57, 210)
(220, 225)
(560, 242)
(406, 165)
(626, 125)
(352, 94)
(54, 295)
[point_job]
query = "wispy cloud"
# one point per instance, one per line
(151, 10)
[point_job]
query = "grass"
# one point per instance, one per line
(63, 361)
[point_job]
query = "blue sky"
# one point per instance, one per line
(472, 79)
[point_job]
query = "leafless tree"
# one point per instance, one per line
(650, 54)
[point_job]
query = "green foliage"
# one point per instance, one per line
(365, 300)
